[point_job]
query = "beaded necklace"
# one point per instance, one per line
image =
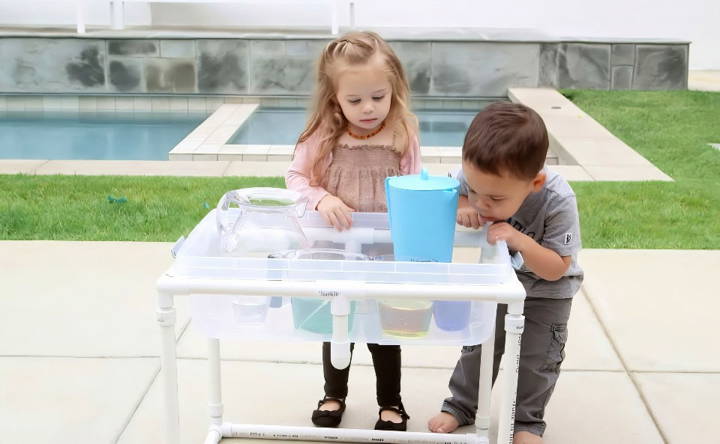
(366, 136)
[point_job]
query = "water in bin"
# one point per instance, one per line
(314, 315)
(258, 222)
(422, 211)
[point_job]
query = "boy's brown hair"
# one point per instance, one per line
(507, 138)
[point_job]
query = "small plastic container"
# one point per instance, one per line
(405, 318)
(313, 315)
(250, 309)
(451, 315)
(455, 315)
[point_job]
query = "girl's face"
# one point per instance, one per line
(364, 94)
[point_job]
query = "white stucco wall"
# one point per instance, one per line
(693, 20)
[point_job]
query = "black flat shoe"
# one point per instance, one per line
(328, 418)
(389, 425)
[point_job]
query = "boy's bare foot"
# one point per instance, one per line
(526, 438)
(443, 422)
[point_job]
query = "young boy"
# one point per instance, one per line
(534, 210)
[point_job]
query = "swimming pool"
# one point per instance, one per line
(98, 136)
(281, 126)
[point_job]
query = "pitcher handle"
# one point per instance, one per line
(224, 224)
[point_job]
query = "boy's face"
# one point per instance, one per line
(498, 197)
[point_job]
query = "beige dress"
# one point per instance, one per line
(357, 175)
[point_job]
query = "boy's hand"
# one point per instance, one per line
(467, 215)
(504, 231)
(544, 262)
(334, 211)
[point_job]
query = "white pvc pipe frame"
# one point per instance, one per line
(514, 321)
(512, 294)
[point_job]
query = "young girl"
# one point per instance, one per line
(359, 133)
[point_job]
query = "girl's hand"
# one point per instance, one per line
(467, 215)
(334, 211)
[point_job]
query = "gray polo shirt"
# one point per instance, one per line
(550, 217)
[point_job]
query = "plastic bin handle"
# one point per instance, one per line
(177, 246)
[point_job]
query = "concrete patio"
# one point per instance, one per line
(79, 347)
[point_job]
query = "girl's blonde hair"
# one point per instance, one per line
(355, 48)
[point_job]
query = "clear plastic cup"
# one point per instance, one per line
(250, 309)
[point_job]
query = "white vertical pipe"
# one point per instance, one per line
(488, 255)
(352, 15)
(340, 344)
(80, 16)
(117, 14)
(514, 325)
(168, 362)
(482, 416)
(215, 406)
(334, 25)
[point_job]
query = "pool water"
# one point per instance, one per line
(99, 136)
(282, 126)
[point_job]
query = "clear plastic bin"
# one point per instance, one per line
(279, 317)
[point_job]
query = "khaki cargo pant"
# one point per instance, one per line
(541, 353)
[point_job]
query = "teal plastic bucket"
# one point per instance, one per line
(314, 315)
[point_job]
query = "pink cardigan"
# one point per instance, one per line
(297, 177)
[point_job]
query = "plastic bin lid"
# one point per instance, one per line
(423, 182)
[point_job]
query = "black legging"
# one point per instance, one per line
(386, 360)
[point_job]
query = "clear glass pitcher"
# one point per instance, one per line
(260, 221)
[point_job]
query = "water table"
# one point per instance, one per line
(317, 297)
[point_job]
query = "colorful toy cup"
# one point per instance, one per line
(451, 315)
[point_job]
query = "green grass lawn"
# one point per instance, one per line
(82, 207)
(671, 129)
